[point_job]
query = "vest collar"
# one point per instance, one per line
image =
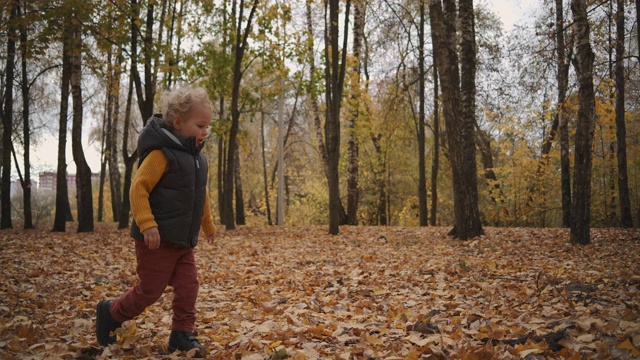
(188, 144)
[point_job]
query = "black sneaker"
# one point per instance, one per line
(184, 341)
(105, 324)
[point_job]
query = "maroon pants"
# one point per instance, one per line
(167, 265)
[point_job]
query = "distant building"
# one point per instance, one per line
(49, 180)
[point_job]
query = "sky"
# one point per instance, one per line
(44, 153)
(512, 12)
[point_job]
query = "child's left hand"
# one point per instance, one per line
(210, 239)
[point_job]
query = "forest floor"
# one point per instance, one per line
(368, 293)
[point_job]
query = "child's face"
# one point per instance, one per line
(195, 124)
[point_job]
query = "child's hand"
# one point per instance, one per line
(210, 239)
(152, 238)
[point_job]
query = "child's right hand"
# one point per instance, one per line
(152, 238)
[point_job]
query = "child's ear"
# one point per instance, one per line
(177, 123)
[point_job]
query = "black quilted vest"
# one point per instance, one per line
(177, 201)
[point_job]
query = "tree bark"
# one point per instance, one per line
(459, 109)
(334, 84)
(610, 207)
(129, 160)
(145, 97)
(26, 125)
(103, 162)
(469, 207)
(63, 208)
(112, 138)
(637, 26)
(559, 121)
(580, 211)
(169, 61)
(436, 146)
(359, 13)
(563, 80)
(380, 180)
(221, 166)
(280, 164)
(311, 90)
(7, 118)
(621, 132)
(239, 49)
(264, 165)
(84, 194)
(175, 60)
(240, 217)
(221, 176)
(422, 177)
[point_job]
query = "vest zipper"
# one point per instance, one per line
(195, 193)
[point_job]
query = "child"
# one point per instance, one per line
(170, 202)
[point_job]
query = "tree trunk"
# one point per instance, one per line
(280, 163)
(436, 146)
(621, 132)
(422, 177)
(311, 90)
(123, 223)
(129, 160)
(103, 162)
(359, 13)
(580, 211)
(161, 25)
(610, 211)
(175, 60)
(638, 22)
(459, 109)
(560, 118)
(7, 118)
(169, 61)
(145, 97)
(334, 83)
(221, 176)
(470, 214)
(264, 166)
(84, 194)
(379, 178)
(240, 218)
(26, 127)
(228, 218)
(563, 81)
(112, 138)
(63, 208)
(106, 137)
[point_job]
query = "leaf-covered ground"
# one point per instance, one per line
(371, 292)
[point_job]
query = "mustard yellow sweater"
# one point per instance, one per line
(147, 177)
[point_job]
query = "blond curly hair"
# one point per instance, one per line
(179, 101)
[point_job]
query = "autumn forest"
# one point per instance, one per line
(370, 126)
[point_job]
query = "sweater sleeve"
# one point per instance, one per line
(208, 226)
(147, 177)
